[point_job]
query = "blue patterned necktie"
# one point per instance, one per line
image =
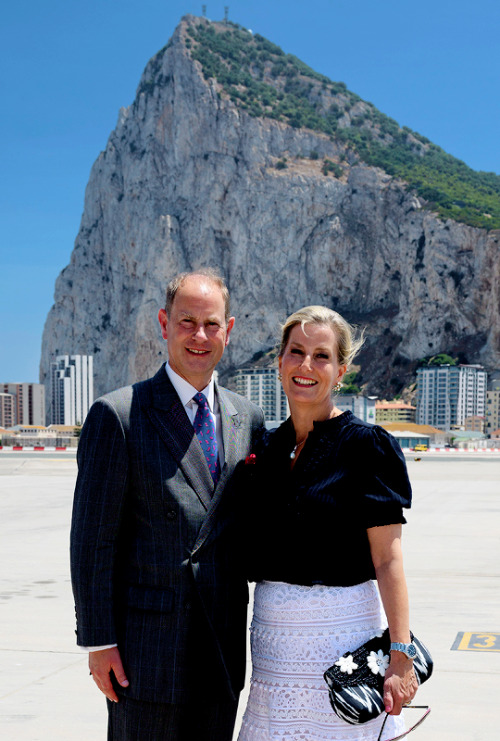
(205, 429)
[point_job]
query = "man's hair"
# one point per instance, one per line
(211, 274)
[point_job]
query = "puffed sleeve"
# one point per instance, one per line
(387, 488)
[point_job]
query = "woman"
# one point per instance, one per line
(325, 521)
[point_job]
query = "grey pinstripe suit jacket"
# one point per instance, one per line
(154, 550)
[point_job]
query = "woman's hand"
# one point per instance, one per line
(400, 684)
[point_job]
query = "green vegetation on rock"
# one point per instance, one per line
(348, 384)
(441, 359)
(264, 81)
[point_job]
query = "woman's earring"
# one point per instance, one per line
(337, 387)
(280, 377)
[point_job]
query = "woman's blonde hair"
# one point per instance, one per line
(348, 341)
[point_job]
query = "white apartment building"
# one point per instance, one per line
(27, 405)
(362, 407)
(72, 388)
(448, 394)
(262, 386)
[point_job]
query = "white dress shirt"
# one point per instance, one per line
(185, 393)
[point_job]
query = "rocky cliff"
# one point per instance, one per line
(189, 178)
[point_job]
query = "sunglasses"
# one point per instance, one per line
(419, 721)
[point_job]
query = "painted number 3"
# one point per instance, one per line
(477, 642)
(485, 640)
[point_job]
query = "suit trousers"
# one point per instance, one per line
(204, 719)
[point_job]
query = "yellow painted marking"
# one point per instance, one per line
(469, 641)
(464, 643)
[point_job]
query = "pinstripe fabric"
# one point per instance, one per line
(132, 720)
(152, 547)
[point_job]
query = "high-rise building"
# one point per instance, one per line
(493, 404)
(448, 394)
(28, 402)
(72, 389)
(263, 387)
(6, 410)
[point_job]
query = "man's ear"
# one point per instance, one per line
(229, 327)
(163, 319)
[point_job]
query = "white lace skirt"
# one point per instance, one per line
(297, 633)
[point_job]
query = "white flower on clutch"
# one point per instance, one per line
(346, 664)
(378, 662)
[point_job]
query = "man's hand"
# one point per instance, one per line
(400, 685)
(101, 664)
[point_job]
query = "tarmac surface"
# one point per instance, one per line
(452, 561)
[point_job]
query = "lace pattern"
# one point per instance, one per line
(297, 632)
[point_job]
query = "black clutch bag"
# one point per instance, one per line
(356, 681)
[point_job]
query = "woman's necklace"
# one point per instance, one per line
(299, 445)
(334, 413)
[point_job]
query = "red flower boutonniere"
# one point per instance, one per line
(251, 459)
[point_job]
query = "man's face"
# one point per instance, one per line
(196, 331)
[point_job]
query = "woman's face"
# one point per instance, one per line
(309, 366)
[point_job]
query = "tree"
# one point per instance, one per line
(442, 359)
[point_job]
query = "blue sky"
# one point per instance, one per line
(66, 68)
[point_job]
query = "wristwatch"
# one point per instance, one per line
(407, 648)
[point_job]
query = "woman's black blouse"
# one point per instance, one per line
(308, 525)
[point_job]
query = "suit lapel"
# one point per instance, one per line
(230, 426)
(172, 423)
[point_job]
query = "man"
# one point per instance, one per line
(156, 566)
